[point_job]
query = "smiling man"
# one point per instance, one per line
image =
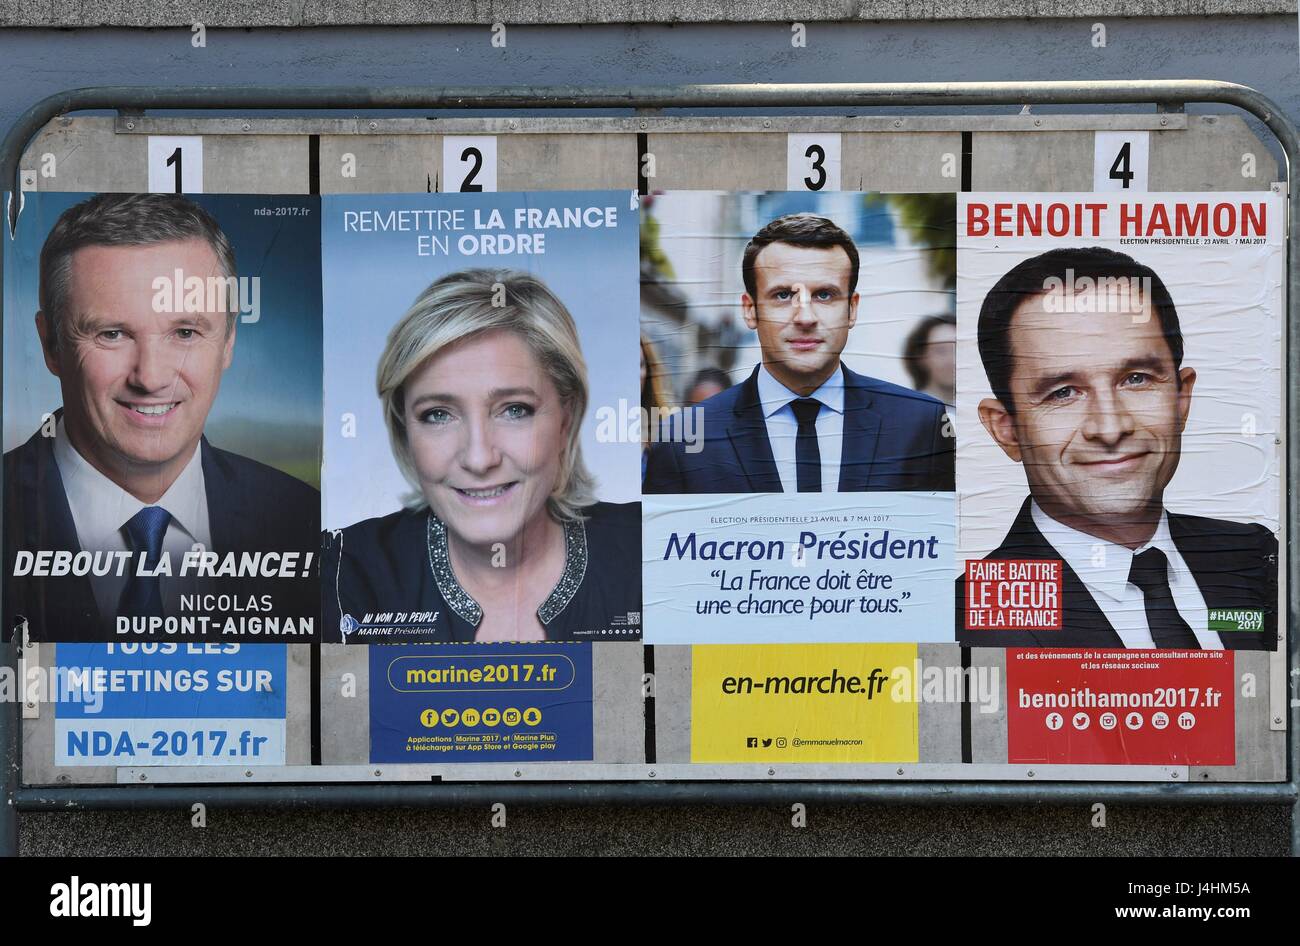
(124, 466)
(1084, 354)
(802, 421)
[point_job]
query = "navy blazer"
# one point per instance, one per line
(1234, 565)
(251, 508)
(893, 440)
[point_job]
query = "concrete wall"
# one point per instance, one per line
(1256, 50)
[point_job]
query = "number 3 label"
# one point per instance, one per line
(1120, 161)
(176, 164)
(469, 163)
(813, 162)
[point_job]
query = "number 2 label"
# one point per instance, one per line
(469, 163)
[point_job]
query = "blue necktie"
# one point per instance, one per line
(142, 596)
(807, 455)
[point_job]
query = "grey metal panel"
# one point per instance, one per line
(38, 747)
(899, 162)
(1261, 750)
(150, 125)
(588, 771)
(940, 723)
(267, 164)
(618, 708)
(384, 164)
(297, 706)
(1051, 161)
(672, 702)
(988, 731)
(718, 161)
(566, 162)
(1208, 157)
(1279, 679)
(344, 720)
(89, 156)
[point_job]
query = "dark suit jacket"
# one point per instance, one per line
(893, 440)
(251, 508)
(1234, 564)
(383, 565)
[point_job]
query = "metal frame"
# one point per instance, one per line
(1168, 95)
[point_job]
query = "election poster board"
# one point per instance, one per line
(775, 446)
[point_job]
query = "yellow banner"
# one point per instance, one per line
(801, 703)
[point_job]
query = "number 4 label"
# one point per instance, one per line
(1120, 161)
(176, 164)
(469, 163)
(813, 162)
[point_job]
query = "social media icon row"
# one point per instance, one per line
(1132, 721)
(471, 717)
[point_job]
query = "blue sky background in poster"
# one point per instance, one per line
(371, 278)
(436, 703)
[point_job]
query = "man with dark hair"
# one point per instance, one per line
(1083, 352)
(123, 466)
(802, 421)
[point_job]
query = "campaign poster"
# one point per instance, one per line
(481, 438)
(797, 379)
(1120, 707)
(480, 703)
(155, 704)
(804, 703)
(161, 428)
(1119, 420)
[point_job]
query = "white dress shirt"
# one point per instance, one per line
(783, 427)
(1103, 567)
(101, 509)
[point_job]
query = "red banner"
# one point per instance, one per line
(1135, 707)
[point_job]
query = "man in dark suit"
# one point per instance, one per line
(802, 421)
(122, 470)
(1083, 352)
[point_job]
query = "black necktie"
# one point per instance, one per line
(1150, 572)
(807, 456)
(142, 596)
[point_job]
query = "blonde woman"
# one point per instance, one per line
(484, 388)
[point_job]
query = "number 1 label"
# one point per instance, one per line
(813, 162)
(176, 164)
